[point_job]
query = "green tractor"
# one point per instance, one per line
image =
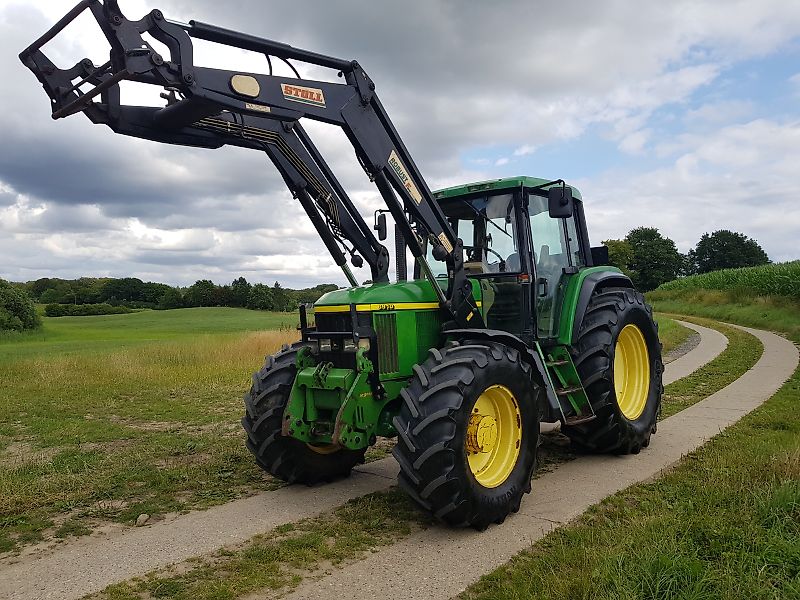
(510, 319)
(561, 341)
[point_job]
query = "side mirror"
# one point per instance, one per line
(600, 256)
(559, 202)
(380, 226)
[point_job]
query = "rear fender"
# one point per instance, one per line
(592, 282)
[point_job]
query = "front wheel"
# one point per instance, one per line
(468, 429)
(618, 358)
(284, 457)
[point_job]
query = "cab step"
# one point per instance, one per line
(557, 363)
(575, 389)
(567, 386)
(579, 420)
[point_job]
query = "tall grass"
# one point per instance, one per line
(110, 420)
(782, 279)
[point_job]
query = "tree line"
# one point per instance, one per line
(132, 292)
(645, 255)
(650, 259)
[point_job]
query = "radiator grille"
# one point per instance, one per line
(429, 325)
(333, 321)
(386, 328)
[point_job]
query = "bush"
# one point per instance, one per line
(17, 311)
(84, 310)
(781, 279)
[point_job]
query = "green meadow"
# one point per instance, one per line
(106, 418)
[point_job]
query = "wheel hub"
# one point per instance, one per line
(481, 433)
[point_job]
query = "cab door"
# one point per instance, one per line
(556, 255)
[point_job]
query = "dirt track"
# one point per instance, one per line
(88, 565)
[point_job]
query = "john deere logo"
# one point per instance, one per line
(304, 95)
(405, 178)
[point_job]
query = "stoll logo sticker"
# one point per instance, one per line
(405, 178)
(304, 95)
(258, 107)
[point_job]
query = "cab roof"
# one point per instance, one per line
(495, 184)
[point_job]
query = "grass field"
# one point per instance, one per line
(106, 418)
(725, 523)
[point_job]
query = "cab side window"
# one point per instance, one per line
(551, 255)
(576, 257)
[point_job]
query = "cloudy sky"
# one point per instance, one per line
(682, 115)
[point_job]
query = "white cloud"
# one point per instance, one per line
(456, 79)
(740, 177)
(525, 150)
(634, 143)
(720, 112)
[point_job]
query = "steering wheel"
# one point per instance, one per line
(502, 265)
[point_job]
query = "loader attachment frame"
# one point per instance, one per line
(210, 108)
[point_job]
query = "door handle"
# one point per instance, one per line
(542, 283)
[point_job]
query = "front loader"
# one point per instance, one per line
(507, 318)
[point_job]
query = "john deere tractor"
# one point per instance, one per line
(506, 319)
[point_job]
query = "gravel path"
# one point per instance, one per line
(674, 354)
(439, 563)
(88, 565)
(711, 345)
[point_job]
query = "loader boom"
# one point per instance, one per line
(211, 107)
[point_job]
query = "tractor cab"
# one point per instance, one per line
(521, 256)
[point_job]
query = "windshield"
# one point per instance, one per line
(487, 227)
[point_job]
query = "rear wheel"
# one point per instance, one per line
(468, 431)
(618, 357)
(284, 457)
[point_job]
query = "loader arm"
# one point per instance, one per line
(210, 108)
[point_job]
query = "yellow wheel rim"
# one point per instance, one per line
(631, 372)
(494, 436)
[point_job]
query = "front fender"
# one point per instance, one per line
(549, 411)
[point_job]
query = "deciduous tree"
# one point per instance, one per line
(725, 249)
(17, 311)
(620, 255)
(655, 260)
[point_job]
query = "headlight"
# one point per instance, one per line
(324, 345)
